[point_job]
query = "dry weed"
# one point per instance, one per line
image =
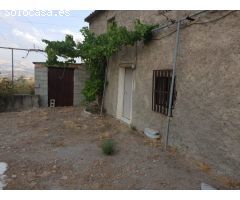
(204, 167)
(229, 183)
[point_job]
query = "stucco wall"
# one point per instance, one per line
(126, 18)
(206, 118)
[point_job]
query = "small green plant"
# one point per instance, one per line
(108, 147)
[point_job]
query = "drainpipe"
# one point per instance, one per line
(172, 82)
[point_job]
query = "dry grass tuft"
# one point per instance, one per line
(105, 135)
(229, 183)
(172, 150)
(152, 142)
(71, 125)
(44, 130)
(204, 167)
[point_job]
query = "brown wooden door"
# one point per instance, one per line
(60, 86)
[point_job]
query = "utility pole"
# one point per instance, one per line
(12, 71)
(19, 49)
(172, 82)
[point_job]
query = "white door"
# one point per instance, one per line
(127, 95)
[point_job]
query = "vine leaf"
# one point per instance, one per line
(94, 51)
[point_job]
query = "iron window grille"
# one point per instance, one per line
(161, 91)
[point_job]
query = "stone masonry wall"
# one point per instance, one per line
(206, 117)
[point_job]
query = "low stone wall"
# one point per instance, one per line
(18, 102)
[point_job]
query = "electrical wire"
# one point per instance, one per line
(216, 19)
(195, 23)
(24, 57)
(40, 31)
(168, 18)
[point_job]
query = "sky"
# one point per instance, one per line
(26, 31)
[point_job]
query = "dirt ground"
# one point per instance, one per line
(60, 148)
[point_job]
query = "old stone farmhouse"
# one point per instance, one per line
(205, 120)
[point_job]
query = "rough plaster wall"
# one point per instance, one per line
(99, 24)
(123, 19)
(207, 116)
(80, 76)
(159, 57)
(41, 85)
(206, 120)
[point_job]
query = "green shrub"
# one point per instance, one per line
(108, 147)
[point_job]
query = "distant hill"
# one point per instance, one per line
(18, 71)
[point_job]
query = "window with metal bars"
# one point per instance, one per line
(161, 91)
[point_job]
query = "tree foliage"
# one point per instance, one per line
(65, 49)
(95, 51)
